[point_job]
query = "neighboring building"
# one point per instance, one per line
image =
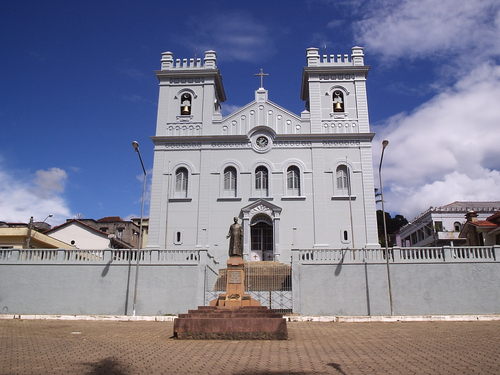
(81, 235)
(145, 228)
(22, 237)
(293, 181)
(125, 231)
(440, 226)
(481, 232)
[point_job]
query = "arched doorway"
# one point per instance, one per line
(262, 239)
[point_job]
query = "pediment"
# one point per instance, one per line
(261, 206)
(263, 113)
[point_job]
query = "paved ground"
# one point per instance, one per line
(89, 347)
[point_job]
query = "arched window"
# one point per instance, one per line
(293, 181)
(230, 181)
(338, 101)
(261, 181)
(343, 183)
(457, 226)
(181, 183)
(186, 104)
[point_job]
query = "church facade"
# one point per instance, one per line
(293, 181)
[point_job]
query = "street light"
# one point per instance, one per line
(49, 215)
(30, 229)
(385, 142)
(135, 145)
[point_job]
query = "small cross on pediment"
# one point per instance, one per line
(261, 75)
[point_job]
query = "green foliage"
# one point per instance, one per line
(393, 225)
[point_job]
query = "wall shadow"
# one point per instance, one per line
(338, 268)
(106, 269)
(367, 288)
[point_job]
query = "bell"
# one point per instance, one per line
(185, 110)
(338, 106)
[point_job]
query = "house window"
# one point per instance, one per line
(230, 181)
(293, 180)
(457, 226)
(261, 181)
(343, 179)
(119, 233)
(181, 183)
(438, 226)
(186, 104)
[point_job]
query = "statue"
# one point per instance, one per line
(236, 241)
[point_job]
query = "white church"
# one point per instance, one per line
(293, 181)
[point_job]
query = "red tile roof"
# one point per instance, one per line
(484, 224)
(109, 219)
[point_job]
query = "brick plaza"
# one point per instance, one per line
(108, 347)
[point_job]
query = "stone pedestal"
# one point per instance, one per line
(235, 296)
(234, 315)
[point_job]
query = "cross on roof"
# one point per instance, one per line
(261, 75)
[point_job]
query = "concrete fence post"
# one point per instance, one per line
(202, 265)
(296, 302)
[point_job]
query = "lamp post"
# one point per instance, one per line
(30, 229)
(49, 215)
(385, 142)
(135, 145)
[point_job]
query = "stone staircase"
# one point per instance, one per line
(244, 323)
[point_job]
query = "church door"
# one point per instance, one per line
(262, 239)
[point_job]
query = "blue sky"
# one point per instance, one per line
(77, 86)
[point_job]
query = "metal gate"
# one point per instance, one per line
(270, 283)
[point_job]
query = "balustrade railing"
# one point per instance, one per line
(422, 253)
(397, 255)
(118, 256)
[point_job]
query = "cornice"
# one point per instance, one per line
(195, 73)
(327, 69)
(279, 137)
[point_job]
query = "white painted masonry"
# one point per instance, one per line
(306, 203)
(81, 236)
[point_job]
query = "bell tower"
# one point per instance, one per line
(334, 89)
(191, 93)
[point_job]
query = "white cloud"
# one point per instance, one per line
(467, 30)
(447, 149)
(227, 109)
(50, 181)
(37, 196)
(234, 35)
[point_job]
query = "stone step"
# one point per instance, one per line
(231, 329)
(244, 323)
(230, 315)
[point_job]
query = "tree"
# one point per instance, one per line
(393, 225)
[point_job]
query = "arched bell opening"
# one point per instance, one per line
(186, 100)
(338, 101)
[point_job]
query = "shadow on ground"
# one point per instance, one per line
(337, 367)
(274, 373)
(107, 366)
